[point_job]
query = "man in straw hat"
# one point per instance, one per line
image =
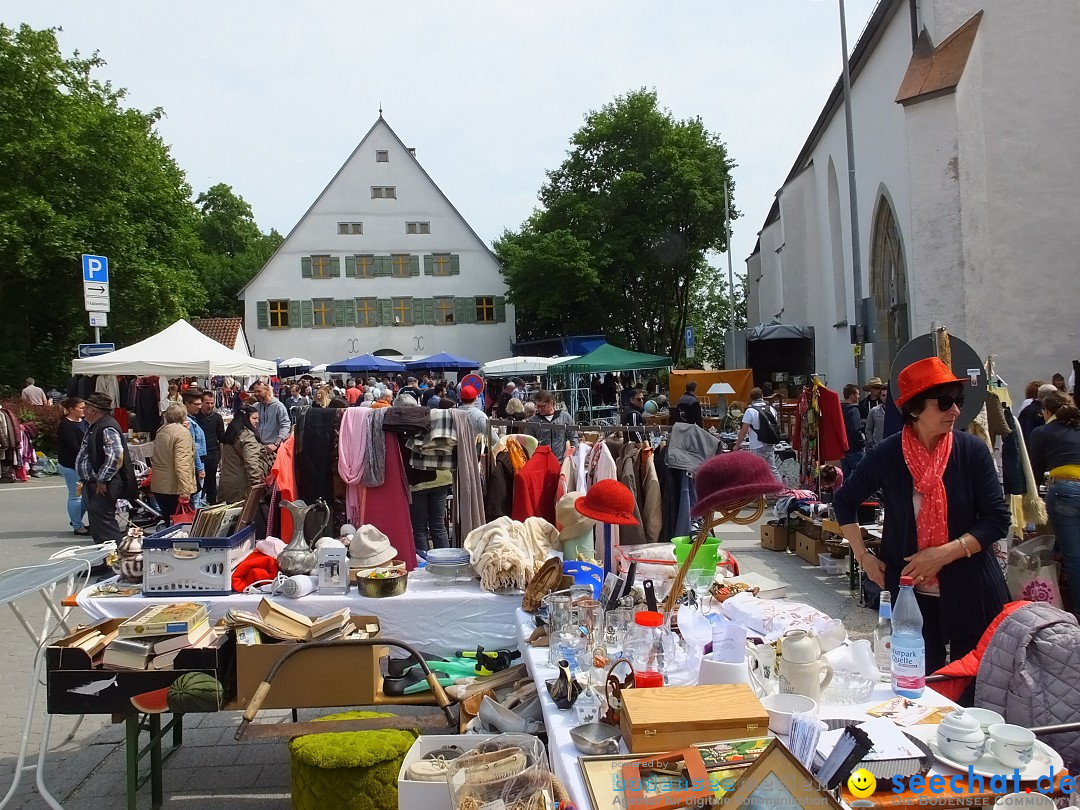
(875, 395)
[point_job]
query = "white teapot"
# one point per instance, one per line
(961, 738)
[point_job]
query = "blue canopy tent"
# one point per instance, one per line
(441, 361)
(364, 363)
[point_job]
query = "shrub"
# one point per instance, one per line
(45, 417)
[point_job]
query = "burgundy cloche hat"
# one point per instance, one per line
(922, 375)
(608, 501)
(731, 479)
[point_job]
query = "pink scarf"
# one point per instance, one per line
(352, 448)
(927, 468)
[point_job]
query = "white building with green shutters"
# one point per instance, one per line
(382, 263)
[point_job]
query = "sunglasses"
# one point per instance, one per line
(946, 402)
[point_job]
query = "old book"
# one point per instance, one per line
(129, 653)
(193, 638)
(324, 626)
(169, 619)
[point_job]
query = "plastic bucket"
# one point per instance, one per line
(705, 559)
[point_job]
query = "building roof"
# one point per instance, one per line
(937, 71)
(223, 330)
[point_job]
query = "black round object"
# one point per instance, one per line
(964, 358)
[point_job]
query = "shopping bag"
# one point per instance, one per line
(1032, 573)
(185, 513)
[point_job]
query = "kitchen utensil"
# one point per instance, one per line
(847, 688)
(960, 737)
(1045, 760)
(712, 672)
(298, 557)
(805, 679)
(596, 738)
(783, 708)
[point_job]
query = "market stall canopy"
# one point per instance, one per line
(293, 367)
(442, 360)
(364, 363)
(521, 365)
(177, 350)
(740, 379)
(610, 358)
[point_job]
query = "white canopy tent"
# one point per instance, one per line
(178, 350)
(520, 365)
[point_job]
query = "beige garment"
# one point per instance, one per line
(174, 461)
(506, 553)
(627, 465)
(243, 465)
(652, 513)
(530, 443)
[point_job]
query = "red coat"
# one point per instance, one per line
(536, 487)
(962, 671)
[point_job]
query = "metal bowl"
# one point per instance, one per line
(596, 738)
(451, 572)
(377, 588)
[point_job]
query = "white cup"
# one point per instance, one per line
(783, 708)
(1024, 801)
(1012, 746)
(831, 635)
(985, 718)
(718, 672)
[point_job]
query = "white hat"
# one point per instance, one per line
(370, 548)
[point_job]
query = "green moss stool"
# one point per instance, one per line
(350, 770)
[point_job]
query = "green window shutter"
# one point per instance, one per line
(414, 265)
(418, 310)
(305, 267)
(350, 311)
(335, 267)
(382, 266)
(455, 265)
(307, 318)
(339, 312)
(350, 267)
(470, 310)
(386, 312)
(262, 315)
(429, 311)
(460, 306)
(500, 309)
(429, 266)
(294, 314)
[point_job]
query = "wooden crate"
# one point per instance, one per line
(678, 716)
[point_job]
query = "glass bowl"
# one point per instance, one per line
(847, 688)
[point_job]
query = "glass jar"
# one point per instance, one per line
(650, 648)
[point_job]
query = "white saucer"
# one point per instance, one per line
(1046, 761)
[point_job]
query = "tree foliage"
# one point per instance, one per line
(80, 172)
(710, 315)
(623, 229)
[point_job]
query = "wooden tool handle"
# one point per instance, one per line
(256, 701)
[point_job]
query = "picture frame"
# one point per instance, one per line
(251, 505)
(776, 779)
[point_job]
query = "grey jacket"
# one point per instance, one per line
(555, 439)
(1028, 673)
(689, 447)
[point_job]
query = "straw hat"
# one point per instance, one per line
(608, 501)
(370, 548)
(574, 524)
(729, 480)
(873, 382)
(922, 375)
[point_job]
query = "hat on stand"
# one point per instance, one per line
(608, 501)
(731, 479)
(922, 375)
(574, 524)
(103, 402)
(369, 548)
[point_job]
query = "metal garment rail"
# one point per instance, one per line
(516, 426)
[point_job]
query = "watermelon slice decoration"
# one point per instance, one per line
(155, 702)
(195, 692)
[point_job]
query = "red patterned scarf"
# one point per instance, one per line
(927, 468)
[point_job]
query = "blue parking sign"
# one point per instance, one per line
(95, 268)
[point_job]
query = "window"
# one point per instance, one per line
(350, 227)
(382, 156)
(399, 265)
(279, 314)
(367, 313)
(402, 310)
(485, 309)
(383, 193)
(444, 309)
(322, 310)
(320, 267)
(417, 227)
(440, 264)
(360, 266)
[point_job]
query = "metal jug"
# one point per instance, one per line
(299, 557)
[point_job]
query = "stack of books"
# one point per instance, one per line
(219, 520)
(278, 623)
(152, 638)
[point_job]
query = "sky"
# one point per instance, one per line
(271, 96)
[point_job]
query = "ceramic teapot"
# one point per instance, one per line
(799, 647)
(961, 738)
(808, 679)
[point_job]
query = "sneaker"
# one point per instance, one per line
(543, 582)
(492, 766)
(428, 770)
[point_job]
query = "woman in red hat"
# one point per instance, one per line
(944, 509)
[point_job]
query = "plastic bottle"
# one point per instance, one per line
(883, 635)
(647, 648)
(908, 648)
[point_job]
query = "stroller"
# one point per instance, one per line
(141, 513)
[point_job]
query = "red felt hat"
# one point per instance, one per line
(468, 393)
(731, 479)
(922, 375)
(608, 501)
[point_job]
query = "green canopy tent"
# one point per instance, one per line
(602, 359)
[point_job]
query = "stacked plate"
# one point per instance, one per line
(448, 565)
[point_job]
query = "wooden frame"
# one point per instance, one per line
(777, 778)
(697, 793)
(255, 496)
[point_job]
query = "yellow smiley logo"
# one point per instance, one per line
(862, 783)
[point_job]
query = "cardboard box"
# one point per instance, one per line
(774, 538)
(320, 677)
(808, 548)
(431, 795)
(676, 717)
(74, 686)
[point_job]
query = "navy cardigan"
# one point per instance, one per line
(973, 588)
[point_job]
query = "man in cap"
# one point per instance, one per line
(104, 469)
(471, 407)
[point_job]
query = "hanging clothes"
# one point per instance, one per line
(283, 475)
(535, 486)
(567, 478)
(468, 483)
(833, 436)
(315, 449)
(499, 494)
(652, 510)
(628, 475)
(352, 449)
(386, 506)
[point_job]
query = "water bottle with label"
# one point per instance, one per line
(908, 648)
(883, 636)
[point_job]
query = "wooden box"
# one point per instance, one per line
(774, 538)
(809, 547)
(678, 716)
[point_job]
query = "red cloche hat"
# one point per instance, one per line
(922, 375)
(608, 501)
(731, 479)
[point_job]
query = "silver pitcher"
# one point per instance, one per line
(299, 557)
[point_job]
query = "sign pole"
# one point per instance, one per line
(97, 334)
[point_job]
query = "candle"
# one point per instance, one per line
(645, 678)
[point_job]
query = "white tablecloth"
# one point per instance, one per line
(437, 619)
(141, 452)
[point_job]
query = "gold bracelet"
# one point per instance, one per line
(964, 545)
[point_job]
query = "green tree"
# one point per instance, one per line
(710, 309)
(233, 248)
(622, 230)
(82, 173)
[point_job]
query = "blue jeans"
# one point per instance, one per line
(428, 513)
(75, 508)
(1063, 507)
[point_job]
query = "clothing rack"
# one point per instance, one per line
(520, 426)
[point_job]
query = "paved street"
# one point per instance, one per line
(211, 770)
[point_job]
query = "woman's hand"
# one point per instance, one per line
(926, 563)
(874, 568)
